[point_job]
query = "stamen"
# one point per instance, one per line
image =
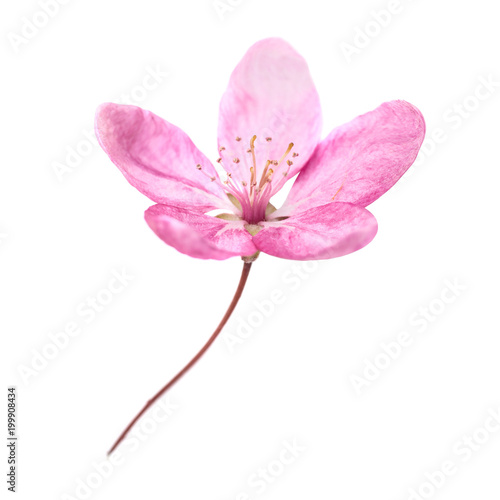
(254, 191)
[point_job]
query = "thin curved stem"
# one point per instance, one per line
(164, 389)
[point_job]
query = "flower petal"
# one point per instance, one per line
(361, 160)
(322, 232)
(198, 235)
(270, 94)
(157, 158)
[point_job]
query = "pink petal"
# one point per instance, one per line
(361, 160)
(322, 232)
(270, 94)
(198, 235)
(157, 158)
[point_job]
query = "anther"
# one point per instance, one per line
(219, 160)
(236, 160)
(269, 139)
(289, 163)
(222, 148)
(295, 155)
(238, 138)
(198, 166)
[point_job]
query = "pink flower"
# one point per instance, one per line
(269, 131)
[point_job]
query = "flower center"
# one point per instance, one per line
(250, 183)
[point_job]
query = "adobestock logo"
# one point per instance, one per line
(266, 475)
(454, 117)
(30, 28)
(101, 471)
(82, 148)
(363, 36)
(419, 322)
(88, 310)
(264, 308)
(462, 450)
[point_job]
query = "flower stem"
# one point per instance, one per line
(164, 389)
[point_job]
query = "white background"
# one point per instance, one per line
(292, 379)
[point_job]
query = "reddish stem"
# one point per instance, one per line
(164, 389)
